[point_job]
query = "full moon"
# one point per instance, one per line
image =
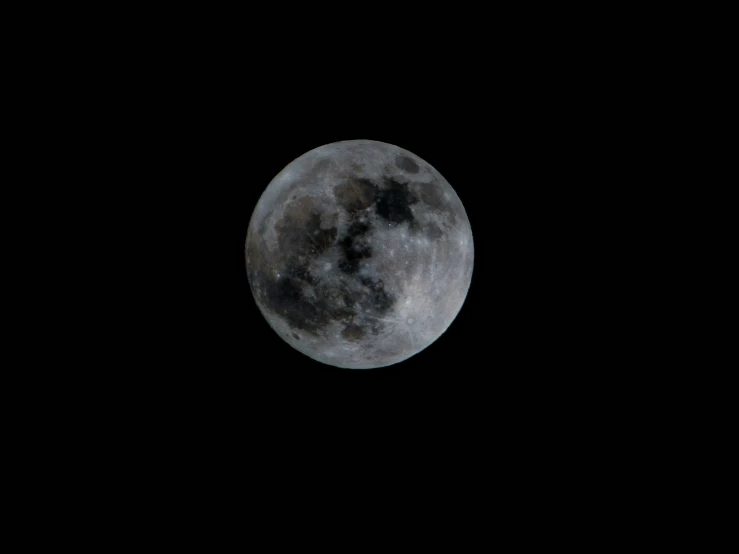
(359, 254)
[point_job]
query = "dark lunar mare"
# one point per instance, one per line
(354, 248)
(406, 164)
(394, 202)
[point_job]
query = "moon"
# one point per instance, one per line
(359, 254)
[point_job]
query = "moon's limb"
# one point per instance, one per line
(359, 254)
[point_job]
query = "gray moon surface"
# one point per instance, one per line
(359, 254)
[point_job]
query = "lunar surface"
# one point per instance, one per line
(359, 254)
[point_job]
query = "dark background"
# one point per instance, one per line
(527, 134)
(187, 385)
(520, 155)
(176, 386)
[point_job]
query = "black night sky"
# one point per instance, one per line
(520, 148)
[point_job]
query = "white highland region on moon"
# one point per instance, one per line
(359, 254)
